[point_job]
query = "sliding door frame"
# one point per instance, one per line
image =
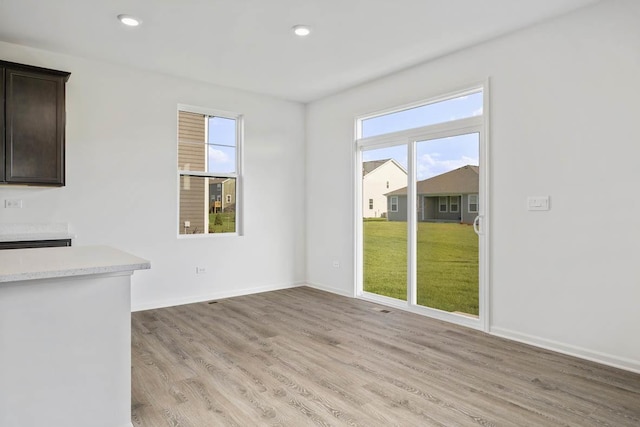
(410, 138)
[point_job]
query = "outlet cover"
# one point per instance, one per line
(538, 203)
(13, 203)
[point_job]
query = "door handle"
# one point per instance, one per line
(476, 225)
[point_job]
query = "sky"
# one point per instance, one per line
(433, 157)
(221, 145)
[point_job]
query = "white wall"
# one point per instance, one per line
(564, 113)
(122, 189)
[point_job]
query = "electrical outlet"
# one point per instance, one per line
(538, 203)
(335, 263)
(13, 203)
(201, 270)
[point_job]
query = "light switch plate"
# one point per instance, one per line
(538, 203)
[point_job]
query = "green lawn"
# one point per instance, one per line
(447, 264)
(228, 223)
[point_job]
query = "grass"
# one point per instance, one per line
(447, 267)
(228, 223)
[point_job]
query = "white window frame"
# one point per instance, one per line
(440, 204)
(239, 119)
(409, 137)
(394, 202)
(457, 204)
(469, 203)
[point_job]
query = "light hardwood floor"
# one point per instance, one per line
(303, 357)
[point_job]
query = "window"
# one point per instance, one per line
(209, 148)
(455, 108)
(442, 204)
(473, 203)
(440, 144)
(394, 203)
(370, 203)
(454, 206)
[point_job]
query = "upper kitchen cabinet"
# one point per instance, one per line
(33, 125)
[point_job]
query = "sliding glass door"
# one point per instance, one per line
(446, 243)
(422, 209)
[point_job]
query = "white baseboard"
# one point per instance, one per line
(583, 353)
(330, 289)
(212, 296)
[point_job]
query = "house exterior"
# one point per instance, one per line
(378, 178)
(192, 156)
(222, 195)
(449, 197)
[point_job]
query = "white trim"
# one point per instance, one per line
(457, 204)
(446, 203)
(458, 319)
(239, 210)
(209, 111)
(237, 175)
(358, 226)
(571, 350)
(476, 124)
(330, 289)
(412, 227)
(444, 129)
(477, 203)
(485, 184)
(456, 93)
(391, 204)
(207, 235)
(171, 302)
(206, 174)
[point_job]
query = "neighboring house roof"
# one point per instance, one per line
(370, 166)
(463, 180)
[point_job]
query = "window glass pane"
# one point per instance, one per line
(453, 204)
(222, 205)
(384, 230)
(473, 203)
(446, 244)
(193, 207)
(207, 205)
(222, 159)
(438, 112)
(191, 139)
(222, 131)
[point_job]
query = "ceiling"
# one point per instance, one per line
(248, 44)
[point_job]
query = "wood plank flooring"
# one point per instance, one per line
(302, 357)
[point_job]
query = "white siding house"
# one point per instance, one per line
(380, 177)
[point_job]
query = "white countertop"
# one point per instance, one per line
(42, 263)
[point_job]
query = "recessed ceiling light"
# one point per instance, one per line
(129, 20)
(301, 30)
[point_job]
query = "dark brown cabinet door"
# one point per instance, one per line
(34, 120)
